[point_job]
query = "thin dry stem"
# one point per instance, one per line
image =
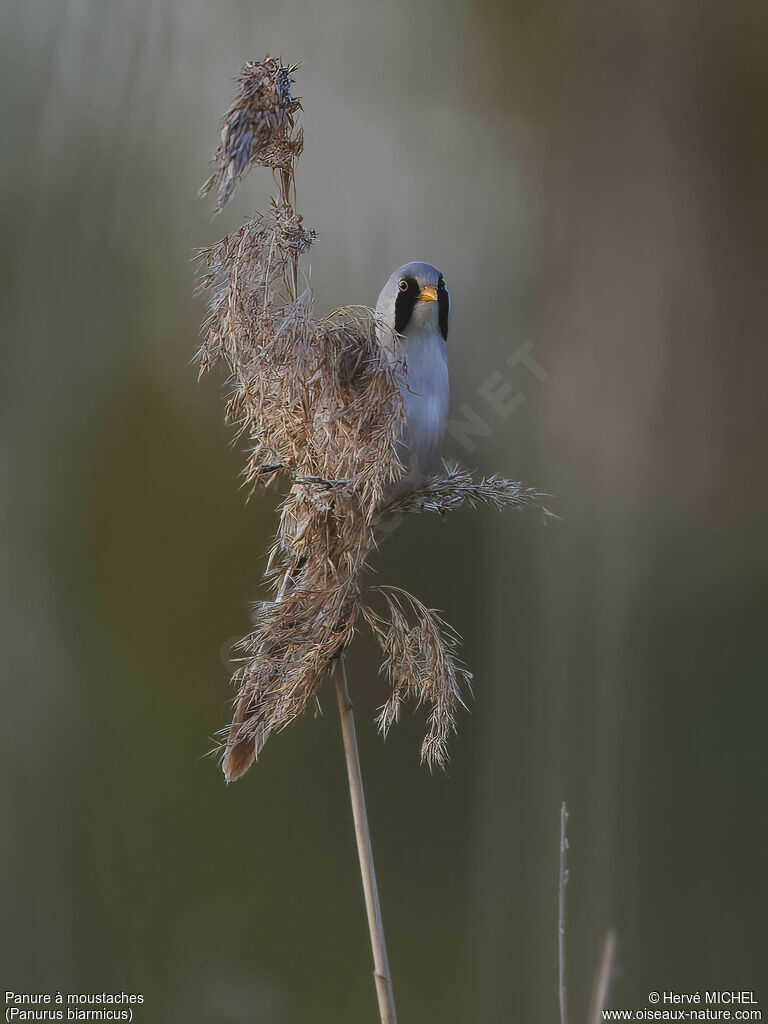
(563, 881)
(364, 850)
(604, 977)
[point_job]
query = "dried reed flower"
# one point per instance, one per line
(457, 487)
(319, 402)
(257, 128)
(421, 662)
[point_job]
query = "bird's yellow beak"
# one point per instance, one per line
(428, 293)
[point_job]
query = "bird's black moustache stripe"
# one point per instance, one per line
(442, 307)
(404, 304)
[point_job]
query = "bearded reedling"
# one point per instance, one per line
(351, 409)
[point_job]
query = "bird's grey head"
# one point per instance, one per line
(415, 298)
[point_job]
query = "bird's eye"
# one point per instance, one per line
(441, 284)
(403, 286)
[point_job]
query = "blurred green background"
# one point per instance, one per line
(591, 178)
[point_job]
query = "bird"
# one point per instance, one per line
(414, 312)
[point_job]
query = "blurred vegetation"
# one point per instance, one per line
(589, 177)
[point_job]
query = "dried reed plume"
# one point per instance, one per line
(318, 402)
(257, 128)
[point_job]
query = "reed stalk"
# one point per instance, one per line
(562, 882)
(364, 851)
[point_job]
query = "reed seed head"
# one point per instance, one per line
(317, 402)
(258, 128)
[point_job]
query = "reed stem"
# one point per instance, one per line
(604, 977)
(364, 851)
(563, 881)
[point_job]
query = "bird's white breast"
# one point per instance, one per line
(425, 392)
